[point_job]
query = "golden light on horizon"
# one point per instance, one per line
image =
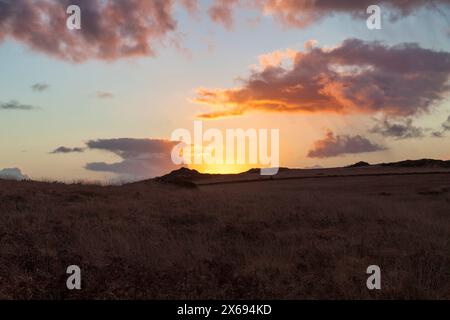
(221, 168)
(232, 152)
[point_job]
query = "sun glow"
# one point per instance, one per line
(221, 168)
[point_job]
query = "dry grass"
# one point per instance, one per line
(290, 239)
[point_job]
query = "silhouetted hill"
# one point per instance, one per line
(431, 163)
(182, 177)
(185, 177)
(183, 173)
(421, 163)
(359, 164)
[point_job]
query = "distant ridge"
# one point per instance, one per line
(430, 163)
(190, 178)
(192, 174)
(421, 163)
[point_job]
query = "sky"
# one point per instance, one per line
(100, 103)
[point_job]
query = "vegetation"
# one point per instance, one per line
(286, 239)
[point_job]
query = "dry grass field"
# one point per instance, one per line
(305, 238)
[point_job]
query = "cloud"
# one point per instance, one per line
(104, 95)
(222, 12)
(141, 158)
(190, 5)
(276, 58)
(444, 128)
(115, 29)
(317, 166)
(332, 146)
(446, 124)
(14, 105)
(437, 134)
(13, 174)
(110, 29)
(40, 87)
(403, 129)
(354, 77)
(302, 13)
(67, 150)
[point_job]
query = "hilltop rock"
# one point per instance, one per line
(182, 173)
(359, 164)
(182, 177)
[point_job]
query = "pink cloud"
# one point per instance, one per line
(302, 13)
(111, 29)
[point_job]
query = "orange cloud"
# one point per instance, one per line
(276, 58)
(355, 77)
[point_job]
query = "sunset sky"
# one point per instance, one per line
(101, 103)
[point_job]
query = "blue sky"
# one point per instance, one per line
(151, 93)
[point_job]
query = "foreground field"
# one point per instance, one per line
(278, 239)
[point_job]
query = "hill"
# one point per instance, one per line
(422, 163)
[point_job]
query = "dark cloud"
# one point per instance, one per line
(104, 95)
(40, 87)
(446, 124)
(399, 129)
(14, 105)
(67, 150)
(131, 148)
(355, 77)
(302, 13)
(314, 167)
(444, 128)
(111, 29)
(437, 134)
(141, 158)
(332, 146)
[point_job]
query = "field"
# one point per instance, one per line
(305, 234)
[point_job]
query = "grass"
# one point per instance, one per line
(289, 239)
